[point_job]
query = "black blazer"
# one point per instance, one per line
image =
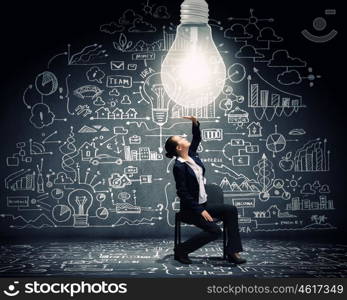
(187, 184)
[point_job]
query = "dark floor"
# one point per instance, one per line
(154, 258)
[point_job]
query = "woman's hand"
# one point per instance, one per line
(206, 215)
(192, 118)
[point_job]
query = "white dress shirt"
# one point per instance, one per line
(200, 177)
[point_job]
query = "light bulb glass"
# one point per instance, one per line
(193, 72)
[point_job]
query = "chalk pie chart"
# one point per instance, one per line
(275, 142)
(102, 213)
(46, 83)
(57, 193)
(61, 213)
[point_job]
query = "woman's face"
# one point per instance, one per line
(183, 143)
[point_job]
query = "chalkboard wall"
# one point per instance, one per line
(82, 148)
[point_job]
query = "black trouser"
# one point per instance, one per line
(211, 231)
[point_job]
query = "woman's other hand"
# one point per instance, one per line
(192, 118)
(206, 215)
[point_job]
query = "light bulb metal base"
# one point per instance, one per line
(194, 12)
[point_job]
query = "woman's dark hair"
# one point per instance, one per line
(170, 147)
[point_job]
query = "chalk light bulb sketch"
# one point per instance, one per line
(154, 92)
(80, 200)
(193, 61)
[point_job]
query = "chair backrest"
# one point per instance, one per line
(214, 194)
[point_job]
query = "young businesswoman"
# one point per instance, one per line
(189, 172)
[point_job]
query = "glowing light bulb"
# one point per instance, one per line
(193, 72)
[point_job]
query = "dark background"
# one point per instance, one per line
(33, 32)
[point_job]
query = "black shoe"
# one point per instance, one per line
(182, 258)
(233, 259)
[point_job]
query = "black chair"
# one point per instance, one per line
(214, 195)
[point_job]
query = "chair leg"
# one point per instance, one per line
(179, 231)
(176, 232)
(224, 241)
